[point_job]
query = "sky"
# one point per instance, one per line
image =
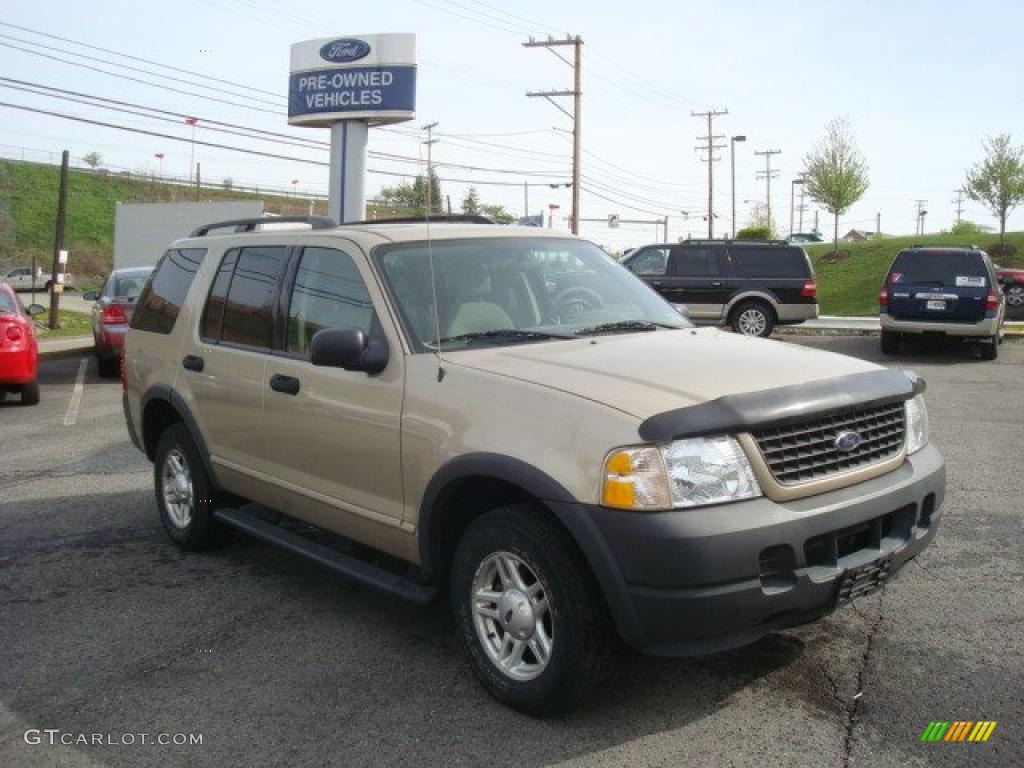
(921, 84)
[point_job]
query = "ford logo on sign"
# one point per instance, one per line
(344, 50)
(848, 441)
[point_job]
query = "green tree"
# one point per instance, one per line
(498, 213)
(759, 226)
(93, 159)
(836, 173)
(414, 196)
(471, 202)
(754, 233)
(998, 180)
(965, 227)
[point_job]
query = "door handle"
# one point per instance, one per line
(192, 363)
(287, 385)
(716, 283)
(657, 283)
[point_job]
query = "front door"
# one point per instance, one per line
(334, 435)
(698, 278)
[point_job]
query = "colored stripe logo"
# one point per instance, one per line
(958, 730)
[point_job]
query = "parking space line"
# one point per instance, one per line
(76, 396)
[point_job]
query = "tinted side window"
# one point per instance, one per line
(650, 261)
(329, 292)
(213, 314)
(696, 262)
(758, 261)
(249, 309)
(161, 299)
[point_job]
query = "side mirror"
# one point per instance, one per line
(35, 309)
(90, 296)
(348, 348)
(682, 310)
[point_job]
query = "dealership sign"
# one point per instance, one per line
(367, 77)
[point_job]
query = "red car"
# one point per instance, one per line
(19, 352)
(115, 303)
(1012, 281)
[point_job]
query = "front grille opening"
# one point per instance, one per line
(856, 538)
(778, 568)
(927, 510)
(829, 549)
(807, 451)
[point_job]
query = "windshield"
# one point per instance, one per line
(128, 285)
(947, 269)
(8, 304)
(515, 290)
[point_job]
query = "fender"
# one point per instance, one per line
(167, 394)
(573, 514)
(745, 296)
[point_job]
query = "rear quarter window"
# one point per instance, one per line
(755, 261)
(161, 299)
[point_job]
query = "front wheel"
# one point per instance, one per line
(753, 318)
(990, 348)
(529, 613)
(185, 496)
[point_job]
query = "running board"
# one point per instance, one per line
(339, 562)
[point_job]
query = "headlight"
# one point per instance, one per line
(685, 473)
(917, 424)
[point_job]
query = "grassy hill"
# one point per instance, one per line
(850, 286)
(28, 211)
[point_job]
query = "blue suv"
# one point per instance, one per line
(942, 292)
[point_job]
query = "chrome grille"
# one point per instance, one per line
(800, 453)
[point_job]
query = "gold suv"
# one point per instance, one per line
(511, 416)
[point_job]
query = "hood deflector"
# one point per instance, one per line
(782, 405)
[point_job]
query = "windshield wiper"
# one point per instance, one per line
(623, 325)
(504, 334)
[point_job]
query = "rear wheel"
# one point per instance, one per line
(753, 318)
(530, 615)
(990, 348)
(30, 393)
(108, 366)
(185, 495)
(890, 342)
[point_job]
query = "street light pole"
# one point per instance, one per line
(192, 156)
(792, 200)
(732, 165)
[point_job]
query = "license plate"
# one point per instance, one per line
(858, 582)
(940, 305)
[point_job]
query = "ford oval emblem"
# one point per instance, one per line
(848, 441)
(344, 50)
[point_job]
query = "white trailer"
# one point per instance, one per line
(142, 231)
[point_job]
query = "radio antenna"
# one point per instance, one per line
(430, 251)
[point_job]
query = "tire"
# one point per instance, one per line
(576, 623)
(30, 393)
(1015, 295)
(753, 318)
(990, 348)
(109, 367)
(890, 342)
(190, 521)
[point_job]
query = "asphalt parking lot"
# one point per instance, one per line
(107, 628)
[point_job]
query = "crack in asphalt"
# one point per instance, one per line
(853, 710)
(13, 479)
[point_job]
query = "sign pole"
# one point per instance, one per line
(58, 245)
(347, 182)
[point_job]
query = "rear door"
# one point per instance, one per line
(650, 264)
(938, 286)
(698, 277)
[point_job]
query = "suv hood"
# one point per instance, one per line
(647, 373)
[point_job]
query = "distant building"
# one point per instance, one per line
(856, 235)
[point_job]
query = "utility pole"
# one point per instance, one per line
(526, 200)
(768, 174)
(58, 243)
(815, 221)
(430, 142)
(576, 116)
(197, 181)
(711, 114)
(878, 225)
(920, 216)
(802, 207)
(732, 170)
(959, 202)
(792, 198)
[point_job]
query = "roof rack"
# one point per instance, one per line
(441, 218)
(734, 240)
(249, 225)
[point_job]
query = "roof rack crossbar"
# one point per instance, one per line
(442, 218)
(249, 225)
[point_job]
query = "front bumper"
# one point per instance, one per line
(985, 328)
(695, 581)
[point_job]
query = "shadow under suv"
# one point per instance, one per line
(749, 286)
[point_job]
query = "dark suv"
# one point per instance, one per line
(751, 286)
(942, 292)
